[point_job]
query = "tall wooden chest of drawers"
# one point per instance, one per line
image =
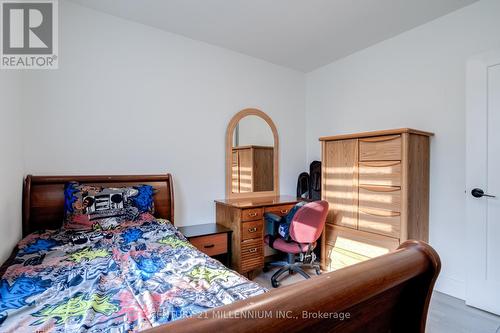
(377, 185)
(245, 217)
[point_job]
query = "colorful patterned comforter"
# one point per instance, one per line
(138, 276)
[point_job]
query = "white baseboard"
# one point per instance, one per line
(450, 286)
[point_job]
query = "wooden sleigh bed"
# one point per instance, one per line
(390, 293)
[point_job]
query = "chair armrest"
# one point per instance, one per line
(275, 220)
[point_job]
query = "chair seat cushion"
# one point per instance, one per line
(289, 247)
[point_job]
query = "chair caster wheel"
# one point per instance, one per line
(275, 284)
(318, 271)
(291, 272)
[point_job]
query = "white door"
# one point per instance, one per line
(482, 245)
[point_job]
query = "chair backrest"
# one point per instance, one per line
(307, 224)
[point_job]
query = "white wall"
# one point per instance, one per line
(253, 130)
(130, 99)
(11, 161)
(416, 79)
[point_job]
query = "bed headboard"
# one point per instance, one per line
(43, 197)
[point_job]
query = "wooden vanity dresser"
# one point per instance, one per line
(245, 217)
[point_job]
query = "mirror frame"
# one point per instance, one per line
(229, 147)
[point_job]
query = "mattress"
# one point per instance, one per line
(140, 275)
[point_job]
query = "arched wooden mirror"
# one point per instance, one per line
(252, 154)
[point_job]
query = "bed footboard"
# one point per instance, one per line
(390, 293)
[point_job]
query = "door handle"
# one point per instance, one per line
(479, 193)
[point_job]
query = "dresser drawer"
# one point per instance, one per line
(380, 197)
(251, 249)
(211, 244)
(359, 242)
(279, 210)
(380, 221)
(387, 173)
(252, 229)
(251, 214)
(252, 255)
(380, 148)
(251, 264)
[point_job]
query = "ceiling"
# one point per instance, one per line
(300, 34)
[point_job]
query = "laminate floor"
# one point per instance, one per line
(446, 314)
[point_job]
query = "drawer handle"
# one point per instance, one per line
(252, 214)
(379, 164)
(380, 138)
(380, 189)
(284, 211)
(208, 246)
(254, 229)
(252, 250)
(388, 213)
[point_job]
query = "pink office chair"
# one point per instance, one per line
(305, 229)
